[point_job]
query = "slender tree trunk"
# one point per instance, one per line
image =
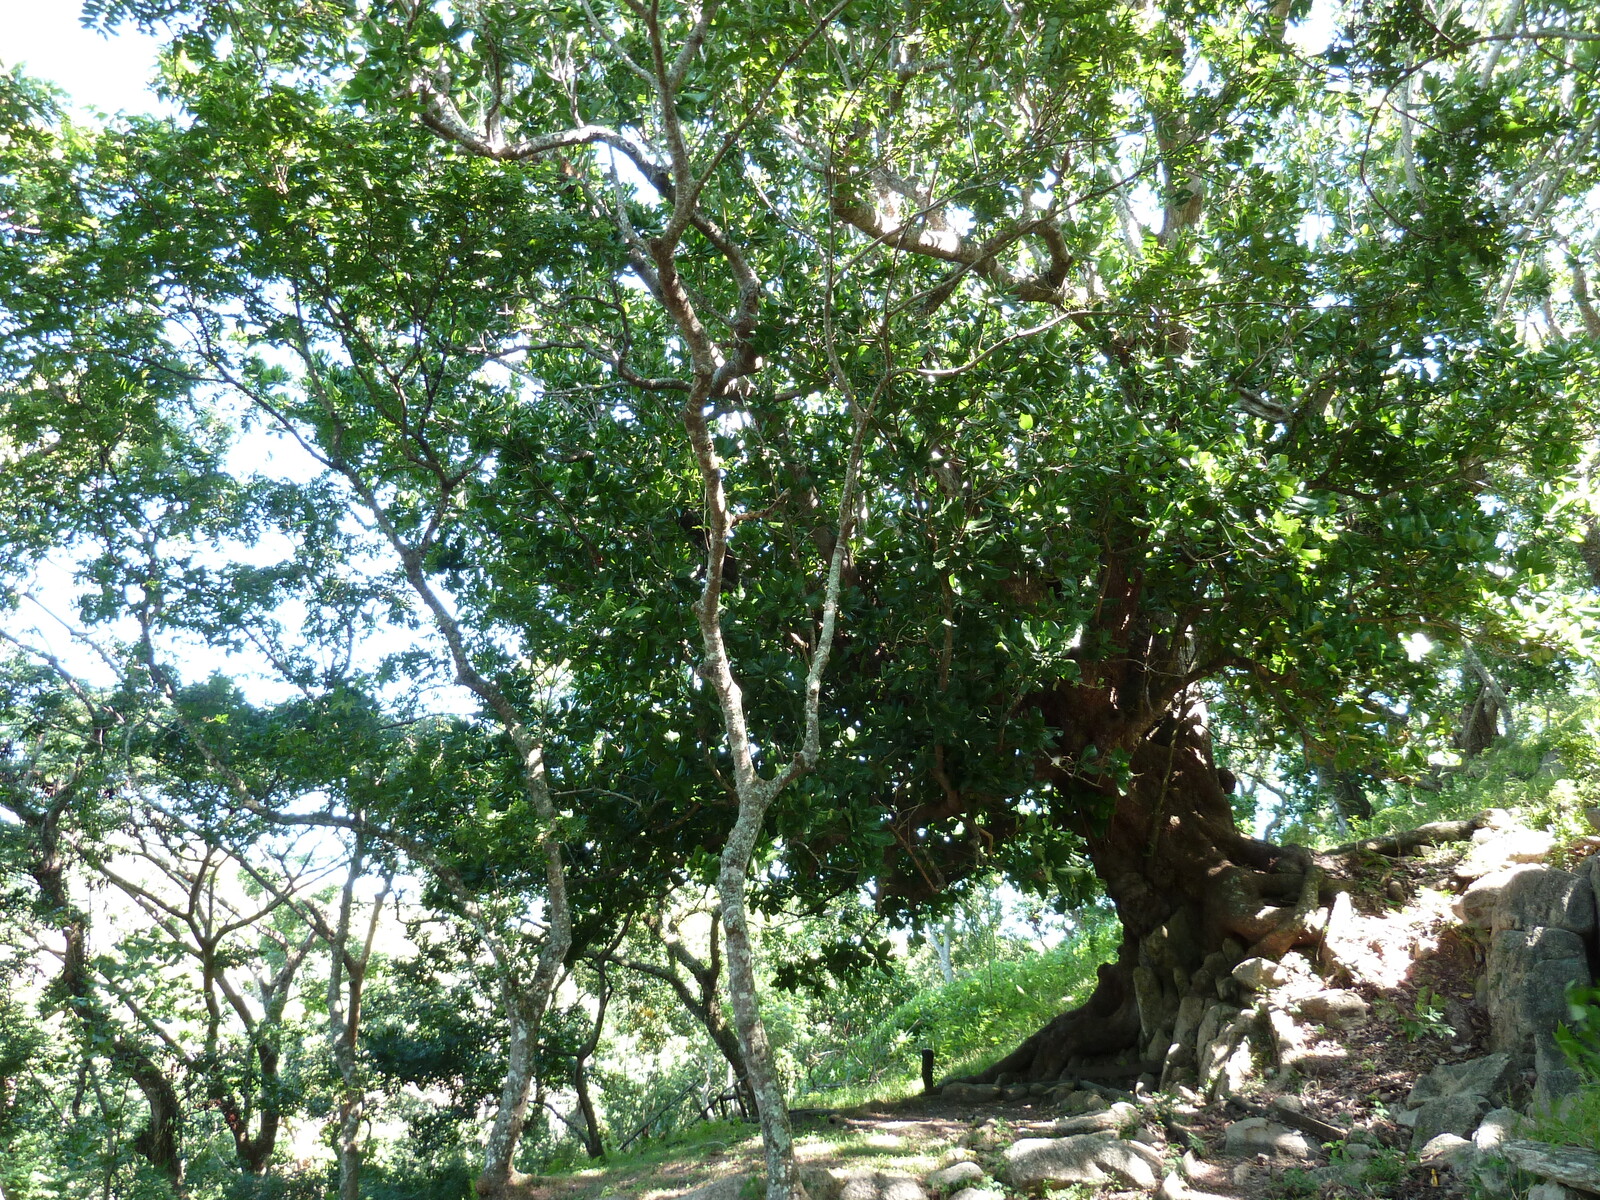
(593, 1146)
(743, 995)
(499, 1177)
(941, 946)
(351, 1111)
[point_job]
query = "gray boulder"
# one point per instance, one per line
(1490, 1077)
(729, 1187)
(1259, 974)
(1496, 1127)
(1336, 1008)
(1476, 905)
(1527, 978)
(1556, 1078)
(956, 1176)
(1495, 849)
(978, 1193)
(1552, 1191)
(1088, 1158)
(1532, 899)
(1119, 1116)
(1448, 1114)
(860, 1185)
(1257, 1135)
(1449, 1152)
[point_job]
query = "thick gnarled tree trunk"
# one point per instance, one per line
(1192, 892)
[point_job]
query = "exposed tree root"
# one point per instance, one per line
(1396, 845)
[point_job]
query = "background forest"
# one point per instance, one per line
(572, 570)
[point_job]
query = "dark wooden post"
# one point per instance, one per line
(927, 1070)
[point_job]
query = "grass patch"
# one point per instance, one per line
(968, 1023)
(1572, 1120)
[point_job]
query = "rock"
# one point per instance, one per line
(1531, 899)
(1556, 1078)
(1408, 1118)
(1077, 1100)
(986, 1136)
(1592, 815)
(1191, 1011)
(1173, 1187)
(1119, 1116)
(1527, 978)
(1552, 1191)
(970, 1092)
(1495, 1177)
(1476, 905)
(1448, 1114)
(1236, 1070)
(729, 1188)
(956, 1176)
(1157, 1003)
(1564, 1164)
(1496, 1127)
(1291, 1041)
(1490, 1077)
(1495, 849)
(1014, 1091)
(1336, 1008)
(1257, 1135)
(1452, 1152)
(1348, 1174)
(871, 1185)
(1190, 1165)
(973, 1193)
(1241, 1175)
(1217, 1017)
(1259, 974)
(1088, 1158)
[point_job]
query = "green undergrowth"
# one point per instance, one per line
(1546, 776)
(693, 1144)
(1572, 1121)
(968, 1023)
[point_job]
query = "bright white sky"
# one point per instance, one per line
(108, 74)
(111, 74)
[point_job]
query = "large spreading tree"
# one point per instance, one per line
(869, 435)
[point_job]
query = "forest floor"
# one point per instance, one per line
(1419, 980)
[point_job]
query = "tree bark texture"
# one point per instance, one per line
(777, 1138)
(1193, 893)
